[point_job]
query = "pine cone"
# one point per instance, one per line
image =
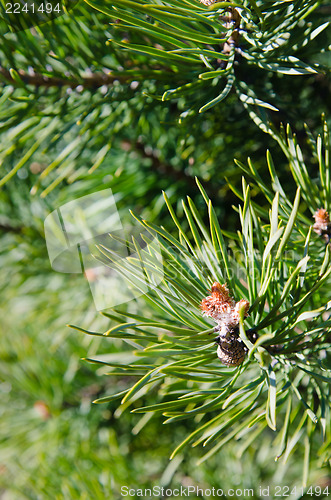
(231, 350)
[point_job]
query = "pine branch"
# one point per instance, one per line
(167, 170)
(280, 290)
(6, 228)
(90, 82)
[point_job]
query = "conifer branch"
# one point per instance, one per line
(93, 81)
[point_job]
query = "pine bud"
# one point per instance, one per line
(223, 308)
(225, 311)
(322, 224)
(231, 350)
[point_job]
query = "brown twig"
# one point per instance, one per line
(167, 170)
(6, 228)
(164, 169)
(232, 21)
(38, 80)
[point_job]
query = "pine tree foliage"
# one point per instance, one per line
(142, 97)
(79, 89)
(207, 52)
(282, 268)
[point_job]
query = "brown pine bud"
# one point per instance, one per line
(231, 350)
(225, 311)
(223, 308)
(322, 224)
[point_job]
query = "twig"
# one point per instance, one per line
(166, 169)
(94, 81)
